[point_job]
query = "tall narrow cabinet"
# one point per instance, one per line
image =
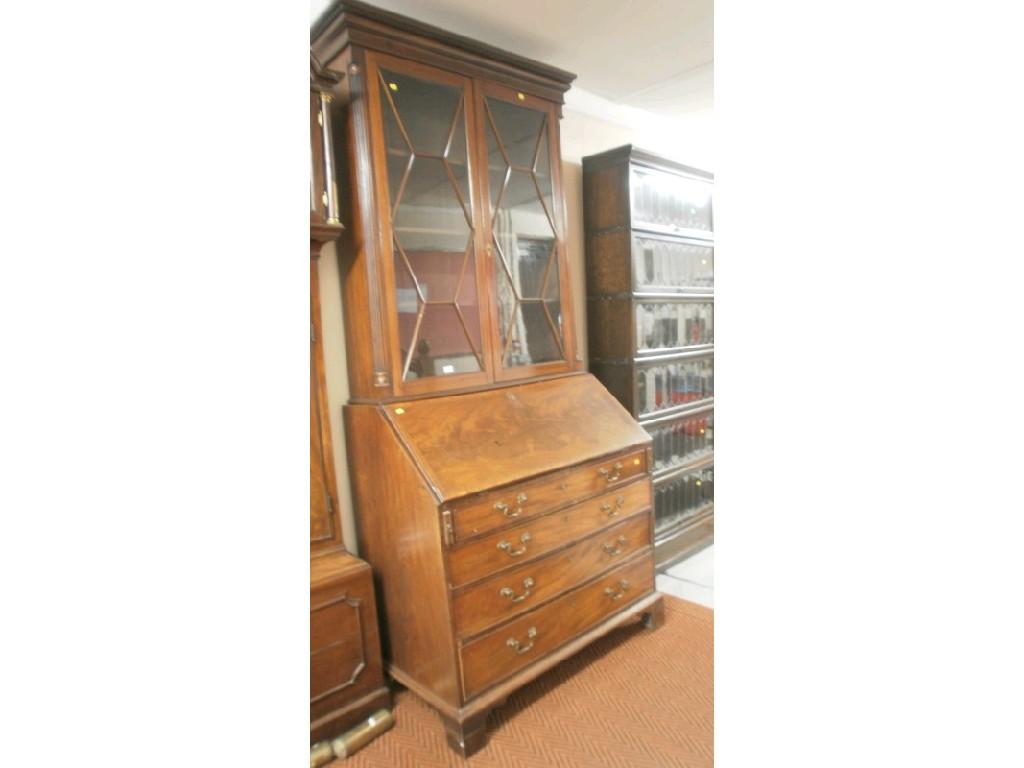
(346, 671)
(650, 310)
(503, 496)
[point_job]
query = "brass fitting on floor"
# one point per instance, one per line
(351, 741)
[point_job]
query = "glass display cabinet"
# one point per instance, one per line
(650, 310)
(502, 496)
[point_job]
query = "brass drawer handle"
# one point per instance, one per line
(506, 511)
(531, 633)
(503, 508)
(507, 592)
(506, 546)
(613, 550)
(623, 587)
(606, 507)
(612, 476)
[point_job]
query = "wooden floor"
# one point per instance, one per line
(633, 699)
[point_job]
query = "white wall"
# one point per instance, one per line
(590, 125)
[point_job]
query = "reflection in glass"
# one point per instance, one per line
(432, 225)
(525, 240)
(683, 497)
(682, 440)
(668, 385)
(663, 325)
(668, 266)
(667, 201)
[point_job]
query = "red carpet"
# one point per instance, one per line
(633, 699)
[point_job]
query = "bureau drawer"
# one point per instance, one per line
(512, 546)
(498, 654)
(513, 592)
(486, 511)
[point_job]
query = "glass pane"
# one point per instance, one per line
(429, 215)
(507, 304)
(668, 385)
(432, 223)
(542, 174)
(525, 238)
(553, 297)
(426, 110)
(667, 265)
(683, 497)
(398, 151)
(667, 201)
(538, 344)
(468, 307)
(442, 346)
(665, 325)
(458, 165)
(497, 167)
(682, 440)
(520, 130)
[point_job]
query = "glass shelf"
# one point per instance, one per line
(672, 266)
(670, 384)
(682, 440)
(668, 201)
(667, 325)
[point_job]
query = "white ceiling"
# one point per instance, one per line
(654, 55)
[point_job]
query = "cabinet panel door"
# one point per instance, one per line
(525, 229)
(324, 528)
(433, 293)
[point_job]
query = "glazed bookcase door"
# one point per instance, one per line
(433, 276)
(522, 197)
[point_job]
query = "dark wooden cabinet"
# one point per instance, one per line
(346, 668)
(650, 309)
(503, 497)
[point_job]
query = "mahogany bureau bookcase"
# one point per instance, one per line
(502, 495)
(346, 669)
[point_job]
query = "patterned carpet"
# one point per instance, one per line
(633, 699)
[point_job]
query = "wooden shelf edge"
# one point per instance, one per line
(684, 542)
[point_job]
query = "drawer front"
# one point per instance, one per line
(487, 511)
(506, 650)
(513, 546)
(522, 588)
(344, 647)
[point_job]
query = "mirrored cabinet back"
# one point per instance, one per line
(502, 496)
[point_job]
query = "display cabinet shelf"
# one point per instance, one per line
(649, 229)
